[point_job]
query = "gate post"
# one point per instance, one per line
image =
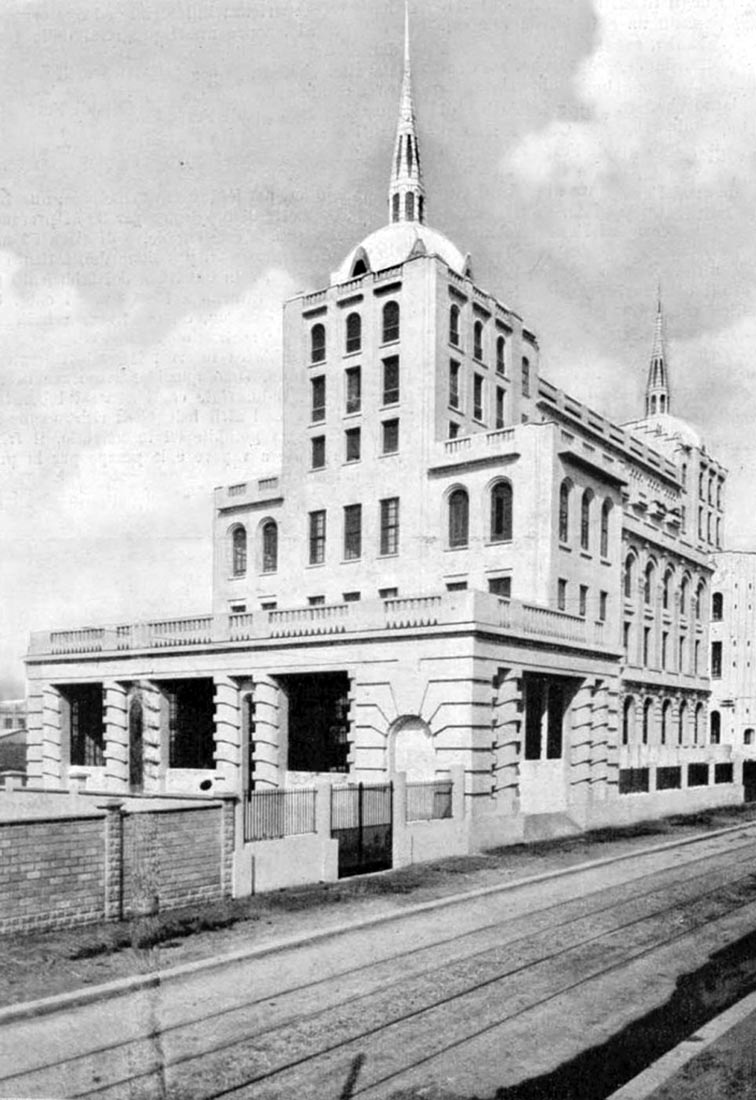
(401, 847)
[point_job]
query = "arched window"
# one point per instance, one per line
(648, 583)
(585, 519)
(239, 551)
(682, 722)
(699, 601)
(500, 350)
(719, 494)
(684, 591)
(478, 340)
(629, 584)
(454, 325)
(716, 607)
(525, 377)
(648, 707)
(564, 510)
(710, 494)
(390, 322)
(748, 736)
(653, 405)
(715, 727)
(501, 512)
(606, 509)
(270, 546)
(667, 589)
(360, 268)
(395, 200)
(353, 332)
(459, 518)
(409, 206)
(719, 533)
(628, 719)
(317, 344)
(666, 716)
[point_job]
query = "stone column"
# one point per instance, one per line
(266, 764)
(55, 755)
(155, 755)
(507, 741)
(227, 733)
(228, 844)
(34, 735)
(113, 860)
(581, 742)
(600, 739)
(116, 735)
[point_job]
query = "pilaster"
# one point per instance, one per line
(116, 735)
(228, 755)
(53, 758)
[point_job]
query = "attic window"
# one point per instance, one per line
(360, 268)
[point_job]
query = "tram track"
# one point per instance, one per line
(171, 1073)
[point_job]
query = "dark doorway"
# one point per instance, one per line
(191, 723)
(749, 780)
(318, 721)
(136, 745)
(361, 821)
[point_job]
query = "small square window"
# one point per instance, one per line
(456, 586)
(315, 601)
(390, 436)
(351, 597)
(453, 429)
(353, 440)
(268, 605)
(500, 586)
(238, 608)
(388, 593)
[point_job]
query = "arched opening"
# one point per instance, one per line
(585, 519)
(459, 518)
(390, 322)
(454, 325)
(136, 745)
(501, 512)
(715, 727)
(667, 589)
(564, 510)
(409, 206)
(682, 723)
(270, 546)
(628, 720)
(353, 333)
(606, 511)
(629, 578)
(317, 343)
(666, 717)
(648, 583)
(410, 748)
(648, 708)
(500, 355)
(478, 340)
(717, 603)
(239, 551)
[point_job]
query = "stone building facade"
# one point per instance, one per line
(457, 565)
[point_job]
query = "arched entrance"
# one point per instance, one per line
(136, 745)
(411, 750)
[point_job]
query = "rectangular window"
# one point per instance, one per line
(681, 654)
(318, 386)
(561, 594)
(268, 605)
(237, 608)
(191, 724)
(317, 537)
(316, 601)
(646, 645)
(583, 600)
(456, 586)
(697, 658)
(388, 593)
(454, 369)
(353, 437)
(352, 531)
(453, 429)
(723, 773)
(390, 430)
(668, 779)
(626, 640)
(665, 648)
(390, 526)
(500, 586)
(85, 709)
(477, 397)
(391, 380)
(353, 389)
(603, 597)
(698, 775)
(525, 378)
(318, 445)
(351, 597)
(633, 780)
(499, 407)
(716, 660)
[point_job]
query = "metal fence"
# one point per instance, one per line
(269, 815)
(429, 801)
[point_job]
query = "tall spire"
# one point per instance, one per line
(406, 192)
(657, 387)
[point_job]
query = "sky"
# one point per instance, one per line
(174, 169)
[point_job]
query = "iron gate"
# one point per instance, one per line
(361, 821)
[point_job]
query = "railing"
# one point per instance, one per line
(454, 446)
(417, 611)
(323, 619)
(88, 640)
(316, 296)
(270, 815)
(501, 435)
(241, 626)
(169, 632)
(267, 484)
(387, 273)
(545, 620)
(429, 801)
(237, 490)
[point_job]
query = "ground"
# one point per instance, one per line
(44, 964)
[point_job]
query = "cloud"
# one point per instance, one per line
(109, 449)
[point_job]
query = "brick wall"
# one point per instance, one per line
(74, 870)
(51, 873)
(172, 857)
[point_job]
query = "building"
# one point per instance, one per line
(458, 566)
(732, 718)
(12, 735)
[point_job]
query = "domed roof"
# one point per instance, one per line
(665, 428)
(395, 243)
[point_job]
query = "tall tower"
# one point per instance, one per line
(406, 192)
(657, 386)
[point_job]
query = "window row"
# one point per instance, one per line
(688, 601)
(352, 531)
(664, 659)
(584, 606)
(709, 527)
(353, 389)
(480, 345)
(588, 507)
(500, 515)
(709, 488)
(478, 396)
(268, 548)
(645, 722)
(668, 778)
(353, 332)
(353, 444)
